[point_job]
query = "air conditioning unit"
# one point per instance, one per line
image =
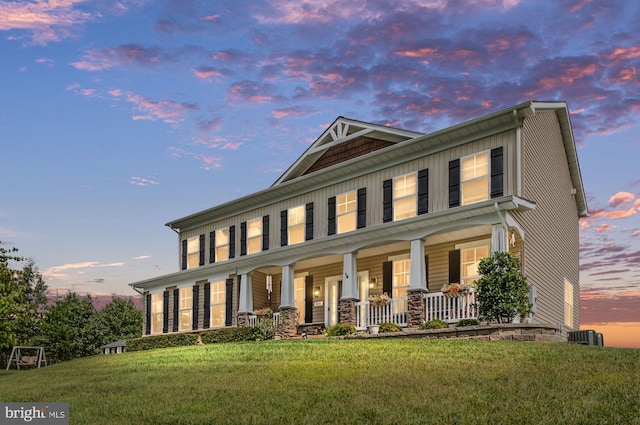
(586, 337)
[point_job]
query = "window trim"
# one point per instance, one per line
(212, 285)
(299, 224)
(219, 245)
(469, 245)
(258, 220)
(195, 254)
(414, 195)
(487, 176)
(189, 323)
(160, 302)
(353, 212)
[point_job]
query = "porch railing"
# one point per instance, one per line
(451, 310)
(254, 320)
(369, 314)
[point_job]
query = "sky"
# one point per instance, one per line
(117, 117)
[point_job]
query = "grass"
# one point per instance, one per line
(328, 381)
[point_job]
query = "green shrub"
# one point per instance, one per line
(389, 327)
(263, 330)
(244, 333)
(161, 341)
(340, 329)
(434, 324)
(468, 322)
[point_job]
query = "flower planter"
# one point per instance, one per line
(374, 329)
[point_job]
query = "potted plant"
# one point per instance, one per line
(380, 299)
(264, 312)
(374, 329)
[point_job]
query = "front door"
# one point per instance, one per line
(332, 294)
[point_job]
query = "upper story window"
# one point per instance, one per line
(156, 313)
(404, 197)
(346, 212)
(193, 252)
(568, 303)
(254, 235)
(185, 308)
(295, 223)
(222, 244)
(474, 178)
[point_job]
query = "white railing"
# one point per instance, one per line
(254, 320)
(438, 306)
(394, 312)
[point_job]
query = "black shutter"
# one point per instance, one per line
(497, 165)
(165, 312)
(201, 262)
(362, 208)
(147, 327)
(331, 217)
(283, 228)
(232, 242)
(454, 266)
(454, 183)
(387, 201)
(195, 306)
(176, 309)
(308, 299)
(387, 277)
(423, 191)
(265, 233)
(212, 247)
(308, 221)
(207, 306)
(426, 269)
(184, 254)
(228, 293)
(243, 238)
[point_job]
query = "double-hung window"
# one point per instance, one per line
(568, 303)
(193, 252)
(222, 244)
(404, 197)
(156, 313)
(217, 304)
(299, 296)
(474, 178)
(401, 277)
(254, 236)
(346, 212)
(186, 305)
(470, 256)
(296, 225)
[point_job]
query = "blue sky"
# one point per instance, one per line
(117, 117)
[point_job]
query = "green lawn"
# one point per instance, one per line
(328, 381)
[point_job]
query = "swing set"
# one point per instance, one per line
(35, 357)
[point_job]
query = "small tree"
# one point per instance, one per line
(503, 292)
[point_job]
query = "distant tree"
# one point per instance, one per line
(22, 301)
(120, 319)
(68, 329)
(503, 292)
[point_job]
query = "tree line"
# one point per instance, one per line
(70, 327)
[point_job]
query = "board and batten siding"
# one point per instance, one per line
(552, 232)
(437, 163)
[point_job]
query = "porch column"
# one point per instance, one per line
(350, 295)
(288, 310)
(417, 285)
(499, 238)
(245, 302)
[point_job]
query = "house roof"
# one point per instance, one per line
(402, 145)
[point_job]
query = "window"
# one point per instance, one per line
(222, 244)
(568, 303)
(217, 304)
(474, 178)
(346, 212)
(295, 225)
(193, 252)
(299, 288)
(401, 277)
(186, 304)
(470, 256)
(404, 197)
(254, 236)
(156, 313)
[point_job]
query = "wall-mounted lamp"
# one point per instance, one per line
(317, 291)
(372, 282)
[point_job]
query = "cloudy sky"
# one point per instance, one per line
(119, 116)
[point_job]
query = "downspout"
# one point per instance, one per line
(518, 123)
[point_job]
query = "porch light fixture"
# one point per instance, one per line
(372, 282)
(317, 291)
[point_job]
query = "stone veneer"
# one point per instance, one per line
(243, 319)
(289, 320)
(347, 312)
(416, 309)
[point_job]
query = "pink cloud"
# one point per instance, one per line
(621, 198)
(636, 233)
(209, 162)
(252, 91)
(164, 110)
(98, 60)
(621, 53)
(569, 74)
(207, 72)
(295, 111)
(604, 227)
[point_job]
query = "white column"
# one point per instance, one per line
(287, 295)
(499, 236)
(350, 277)
(245, 303)
(417, 270)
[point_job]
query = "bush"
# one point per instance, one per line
(434, 324)
(468, 322)
(263, 330)
(182, 340)
(228, 335)
(503, 292)
(340, 329)
(389, 327)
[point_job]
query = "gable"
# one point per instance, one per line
(345, 139)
